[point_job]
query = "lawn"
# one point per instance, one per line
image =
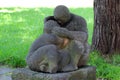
(19, 27)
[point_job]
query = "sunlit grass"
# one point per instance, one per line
(107, 69)
(20, 26)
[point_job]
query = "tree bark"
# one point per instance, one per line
(106, 36)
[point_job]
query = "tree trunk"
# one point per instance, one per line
(106, 36)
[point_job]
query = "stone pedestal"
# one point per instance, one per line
(85, 73)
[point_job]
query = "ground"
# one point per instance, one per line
(5, 73)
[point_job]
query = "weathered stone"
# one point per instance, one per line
(63, 45)
(84, 73)
(5, 73)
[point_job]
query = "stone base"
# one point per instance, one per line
(85, 73)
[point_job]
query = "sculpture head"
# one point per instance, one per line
(62, 14)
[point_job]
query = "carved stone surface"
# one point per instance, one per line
(62, 46)
(85, 73)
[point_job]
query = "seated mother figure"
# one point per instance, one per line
(63, 45)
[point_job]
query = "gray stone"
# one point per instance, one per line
(84, 73)
(5, 73)
(63, 45)
(4, 70)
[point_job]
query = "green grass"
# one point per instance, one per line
(108, 68)
(19, 27)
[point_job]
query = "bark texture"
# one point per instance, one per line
(106, 36)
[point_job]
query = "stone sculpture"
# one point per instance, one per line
(63, 45)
